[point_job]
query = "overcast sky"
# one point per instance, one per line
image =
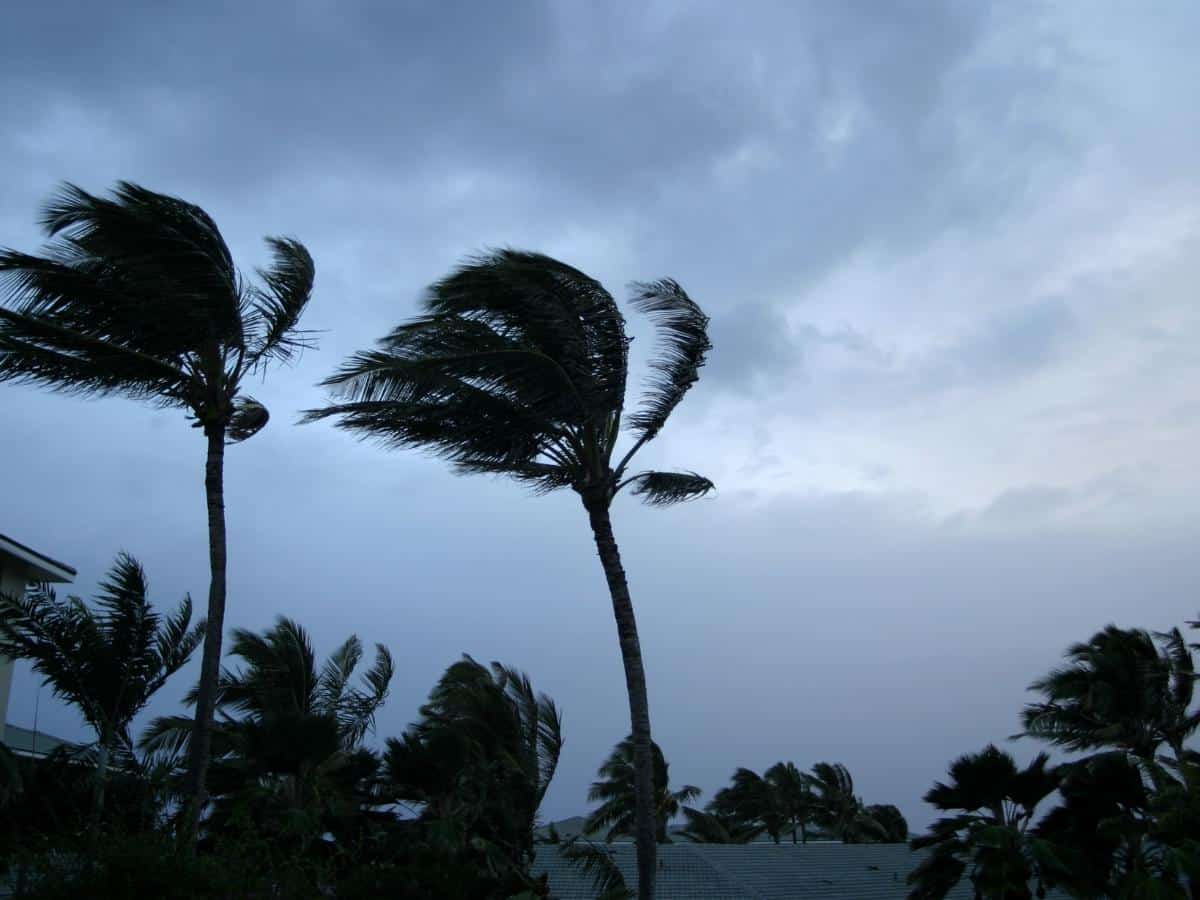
(951, 253)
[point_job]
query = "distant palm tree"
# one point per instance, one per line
(793, 797)
(778, 801)
(707, 827)
(1119, 690)
(987, 839)
(107, 660)
(482, 755)
(891, 820)
(616, 792)
(288, 743)
(138, 295)
(837, 809)
(518, 367)
(750, 801)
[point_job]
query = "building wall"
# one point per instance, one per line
(12, 581)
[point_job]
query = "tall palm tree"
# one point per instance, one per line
(137, 294)
(483, 754)
(107, 660)
(987, 838)
(616, 791)
(518, 367)
(1119, 690)
(288, 743)
(837, 809)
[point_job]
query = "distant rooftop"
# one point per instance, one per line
(25, 742)
(41, 566)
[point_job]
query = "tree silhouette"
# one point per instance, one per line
(518, 367)
(137, 294)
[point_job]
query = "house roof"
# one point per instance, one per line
(754, 872)
(39, 566)
(24, 742)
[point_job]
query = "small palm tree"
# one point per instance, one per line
(837, 809)
(518, 367)
(137, 294)
(616, 792)
(107, 660)
(987, 838)
(482, 754)
(288, 743)
(1119, 690)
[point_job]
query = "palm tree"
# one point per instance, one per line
(518, 367)
(891, 820)
(749, 802)
(137, 294)
(288, 744)
(708, 827)
(1119, 690)
(780, 800)
(482, 754)
(987, 839)
(616, 792)
(107, 660)
(837, 809)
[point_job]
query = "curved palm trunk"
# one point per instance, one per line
(635, 684)
(214, 489)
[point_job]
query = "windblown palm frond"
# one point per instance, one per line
(597, 860)
(683, 330)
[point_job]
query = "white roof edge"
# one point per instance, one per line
(42, 567)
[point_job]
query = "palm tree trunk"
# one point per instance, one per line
(98, 787)
(635, 684)
(214, 489)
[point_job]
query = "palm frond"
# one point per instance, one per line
(276, 308)
(597, 861)
(667, 488)
(683, 332)
(39, 350)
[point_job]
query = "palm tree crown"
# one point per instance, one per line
(106, 660)
(986, 839)
(137, 294)
(482, 754)
(615, 791)
(1118, 690)
(518, 367)
(290, 732)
